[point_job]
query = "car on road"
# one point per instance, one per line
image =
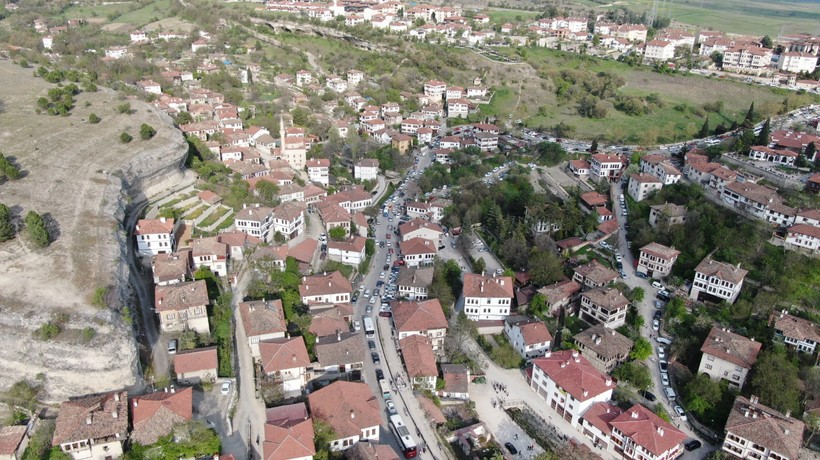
(367, 293)
(357, 325)
(665, 379)
(381, 275)
(664, 366)
(368, 309)
(371, 344)
(618, 257)
(664, 340)
(692, 445)
(510, 447)
(172, 346)
(658, 304)
(379, 374)
(661, 353)
(374, 299)
(391, 408)
(226, 387)
(656, 325)
(657, 315)
(657, 285)
(386, 267)
(649, 396)
(680, 412)
(376, 359)
(355, 297)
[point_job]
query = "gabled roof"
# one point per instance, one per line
(154, 226)
(418, 316)
(482, 286)
(181, 296)
(329, 321)
(154, 415)
(417, 352)
(209, 246)
(341, 349)
(607, 297)
(328, 283)
(416, 224)
(455, 378)
(10, 439)
(648, 430)
(304, 251)
(593, 199)
(596, 272)
(661, 251)
(254, 213)
(294, 440)
(795, 327)
(601, 414)
(355, 244)
(262, 317)
(607, 343)
(766, 427)
(574, 374)
(348, 407)
(92, 417)
(415, 276)
(418, 246)
(203, 359)
(731, 347)
(560, 291)
(721, 270)
(532, 331)
(285, 353)
(169, 266)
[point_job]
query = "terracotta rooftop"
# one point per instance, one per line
(482, 286)
(593, 199)
(795, 327)
(10, 439)
(209, 246)
(154, 415)
(372, 451)
(661, 251)
(202, 359)
(181, 296)
(355, 244)
(417, 352)
(574, 374)
(721, 270)
(608, 343)
(560, 291)
(601, 414)
(415, 276)
(418, 246)
(154, 226)
(304, 251)
(596, 272)
(262, 317)
(533, 331)
(416, 224)
(344, 348)
(103, 416)
(765, 427)
(328, 321)
(455, 378)
(731, 347)
(347, 406)
(805, 229)
(645, 178)
(254, 214)
(418, 316)
(648, 430)
(281, 354)
(328, 283)
(170, 266)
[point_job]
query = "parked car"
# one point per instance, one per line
(172, 346)
(692, 445)
(649, 396)
(379, 374)
(391, 408)
(357, 325)
(664, 340)
(680, 412)
(656, 325)
(371, 344)
(226, 387)
(670, 393)
(657, 285)
(664, 366)
(511, 448)
(658, 304)
(661, 353)
(665, 379)
(375, 357)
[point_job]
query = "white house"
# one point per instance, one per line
(803, 236)
(418, 251)
(352, 411)
(93, 427)
(659, 50)
(262, 320)
(366, 169)
(797, 62)
(757, 431)
(350, 252)
(325, 289)
(604, 305)
(318, 170)
(529, 337)
(717, 279)
(660, 167)
(569, 384)
(435, 89)
(728, 356)
(605, 166)
(421, 318)
(418, 228)
(414, 282)
(286, 360)
(641, 185)
(458, 108)
(210, 253)
(795, 332)
(155, 236)
(289, 219)
(640, 434)
(255, 221)
(656, 260)
(487, 297)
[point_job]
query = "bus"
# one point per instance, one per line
(402, 434)
(385, 387)
(369, 330)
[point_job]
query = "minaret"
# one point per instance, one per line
(282, 149)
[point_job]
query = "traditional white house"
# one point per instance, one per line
(487, 297)
(286, 360)
(640, 434)
(366, 169)
(656, 260)
(350, 252)
(760, 432)
(529, 337)
(569, 384)
(351, 410)
(262, 320)
(728, 356)
(182, 306)
(795, 332)
(289, 219)
(641, 185)
(155, 236)
(604, 305)
(419, 228)
(803, 236)
(419, 360)
(717, 279)
(421, 318)
(325, 289)
(414, 282)
(211, 254)
(255, 221)
(93, 427)
(318, 170)
(418, 251)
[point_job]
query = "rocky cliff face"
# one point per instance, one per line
(82, 179)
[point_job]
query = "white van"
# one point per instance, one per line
(670, 393)
(657, 285)
(664, 341)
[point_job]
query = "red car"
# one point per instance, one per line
(388, 236)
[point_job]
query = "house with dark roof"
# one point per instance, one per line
(325, 289)
(756, 431)
(528, 336)
(718, 280)
(796, 332)
(560, 295)
(456, 381)
(569, 383)
(341, 353)
(656, 260)
(351, 410)
(92, 427)
(156, 414)
(593, 275)
(262, 320)
(414, 282)
(171, 268)
(328, 321)
(607, 306)
(183, 306)
(424, 318)
(288, 433)
(604, 348)
(372, 451)
(473, 438)
(728, 356)
(639, 434)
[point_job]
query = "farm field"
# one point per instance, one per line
(130, 13)
(502, 15)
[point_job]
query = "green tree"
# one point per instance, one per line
(124, 108)
(539, 304)
(6, 227)
(810, 150)
(750, 116)
(338, 233)
(94, 119)
(637, 295)
(660, 411)
(641, 349)
(766, 41)
(702, 394)
(36, 229)
(322, 435)
(147, 132)
(704, 130)
(480, 266)
(635, 373)
(268, 193)
(775, 380)
(764, 137)
(125, 137)
(183, 118)
(545, 268)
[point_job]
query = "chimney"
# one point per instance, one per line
(162, 219)
(352, 414)
(481, 286)
(114, 414)
(244, 205)
(597, 340)
(660, 431)
(338, 335)
(88, 419)
(116, 396)
(136, 403)
(746, 413)
(173, 390)
(586, 393)
(634, 414)
(788, 414)
(548, 354)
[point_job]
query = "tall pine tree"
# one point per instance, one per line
(765, 133)
(704, 130)
(750, 116)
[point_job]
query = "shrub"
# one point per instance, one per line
(125, 107)
(88, 334)
(94, 119)
(47, 331)
(36, 229)
(99, 298)
(147, 132)
(125, 138)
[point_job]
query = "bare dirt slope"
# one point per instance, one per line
(77, 175)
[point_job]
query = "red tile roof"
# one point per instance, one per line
(281, 354)
(601, 414)
(154, 415)
(348, 407)
(482, 286)
(535, 332)
(573, 373)
(291, 441)
(92, 417)
(596, 272)
(262, 317)
(203, 359)
(648, 430)
(419, 360)
(419, 316)
(154, 226)
(329, 283)
(181, 296)
(10, 439)
(661, 251)
(721, 270)
(304, 251)
(766, 427)
(418, 246)
(731, 347)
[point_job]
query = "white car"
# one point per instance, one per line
(381, 275)
(680, 412)
(374, 299)
(226, 387)
(357, 325)
(618, 257)
(665, 379)
(661, 353)
(391, 408)
(656, 325)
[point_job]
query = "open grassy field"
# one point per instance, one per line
(502, 15)
(757, 17)
(122, 12)
(679, 116)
